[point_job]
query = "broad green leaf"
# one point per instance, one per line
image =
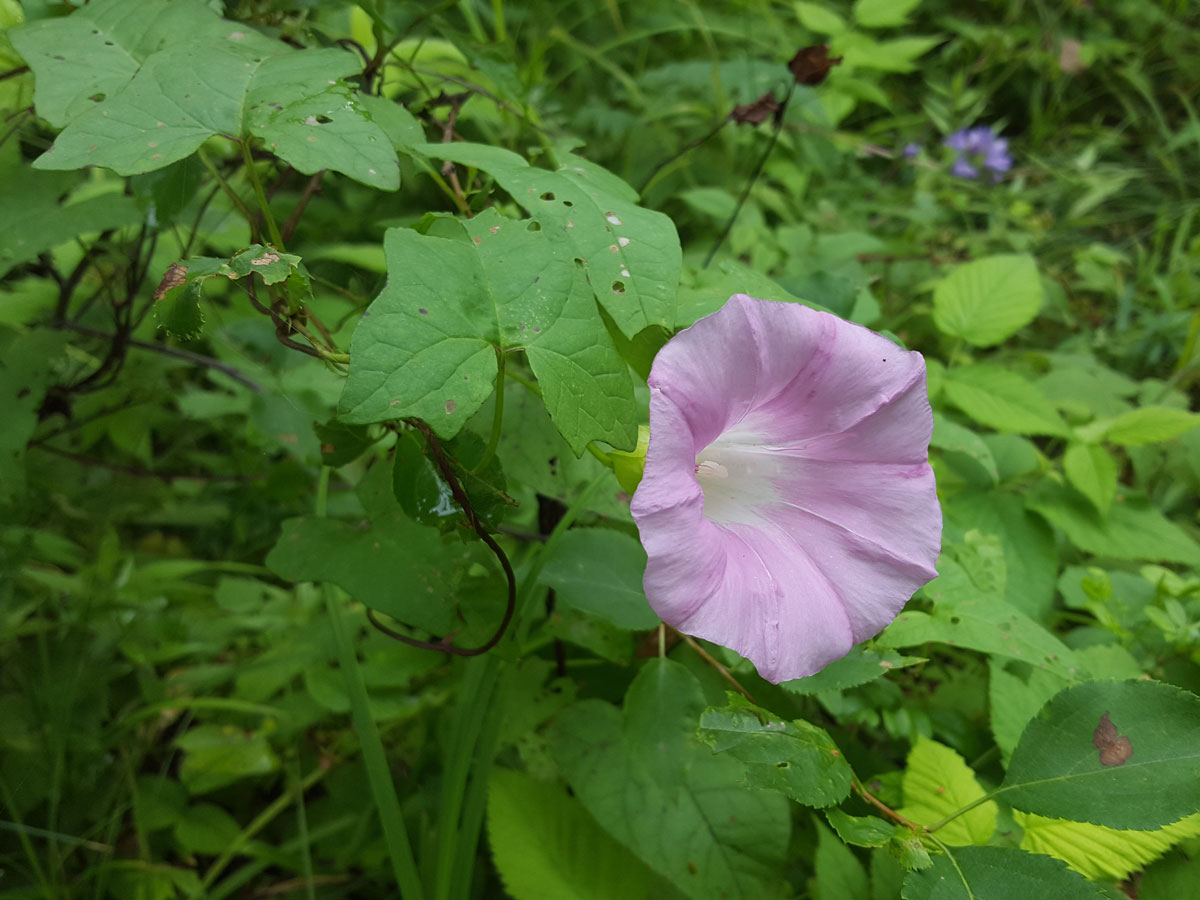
(883, 13)
(1134, 529)
(32, 218)
(938, 783)
(997, 873)
(1144, 780)
(818, 18)
(1077, 383)
(1093, 472)
(96, 51)
(1150, 425)
(341, 443)
(294, 100)
(860, 666)
(631, 254)
(429, 343)
(546, 847)
(1097, 852)
(987, 301)
(861, 831)
(839, 874)
(794, 757)
(426, 496)
(1015, 456)
(966, 615)
(1002, 400)
(179, 314)
(218, 755)
(599, 571)
(710, 837)
(949, 435)
(265, 262)
(206, 828)
(1013, 701)
(1026, 542)
(1174, 878)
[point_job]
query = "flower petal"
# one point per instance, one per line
(787, 506)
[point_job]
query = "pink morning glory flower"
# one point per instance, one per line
(787, 507)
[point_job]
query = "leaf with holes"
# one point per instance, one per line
(631, 254)
(237, 84)
(428, 345)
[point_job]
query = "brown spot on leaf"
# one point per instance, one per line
(176, 275)
(1115, 749)
(451, 406)
(757, 112)
(811, 65)
(266, 259)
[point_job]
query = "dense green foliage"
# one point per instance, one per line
(320, 310)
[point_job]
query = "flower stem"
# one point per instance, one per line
(712, 661)
(261, 195)
(887, 810)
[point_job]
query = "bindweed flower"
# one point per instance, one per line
(975, 147)
(787, 506)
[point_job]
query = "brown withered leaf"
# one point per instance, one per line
(1115, 749)
(811, 65)
(757, 112)
(175, 275)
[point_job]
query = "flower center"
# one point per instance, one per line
(735, 472)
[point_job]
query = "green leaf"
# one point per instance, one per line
(341, 443)
(987, 301)
(206, 828)
(861, 831)
(997, 873)
(710, 837)
(796, 758)
(938, 783)
(817, 18)
(631, 255)
(1176, 878)
(1013, 701)
(839, 874)
(179, 314)
(425, 495)
(1097, 852)
(429, 342)
(898, 55)
(883, 13)
(98, 49)
(238, 85)
(27, 365)
(949, 435)
(1134, 529)
(1146, 780)
(1093, 472)
(1150, 425)
(546, 846)
(599, 571)
(216, 756)
(965, 616)
(32, 218)
(266, 262)
(860, 666)
(1002, 400)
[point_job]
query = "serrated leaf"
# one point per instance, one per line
(861, 831)
(1097, 852)
(818, 18)
(1062, 769)
(1150, 425)
(631, 254)
(706, 834)
(987, 301)
(794, 757)
(938, 783)
(1013, 701)
(1134, 528)
(179, 313)
(599, 571)
(1093, 472)
(897, 55)
(997, 873)
(428, 346)
(1002, 400)
(546, 846)
(266, 262)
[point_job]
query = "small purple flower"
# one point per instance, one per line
(911, 149)
(976, 147)
(787, 507)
